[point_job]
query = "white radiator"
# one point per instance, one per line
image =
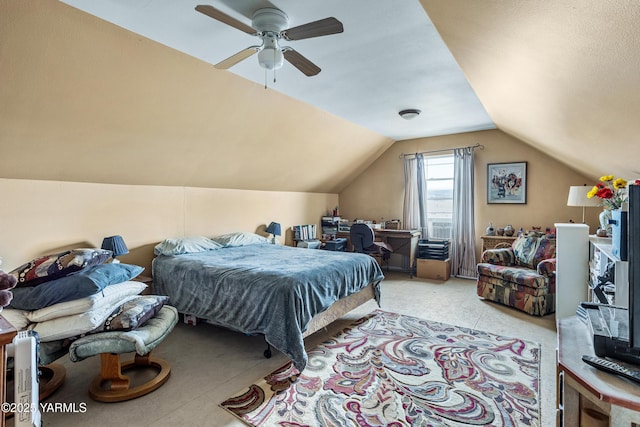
(24, 350)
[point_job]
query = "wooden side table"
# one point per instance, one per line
(495, 242)
(587, 395)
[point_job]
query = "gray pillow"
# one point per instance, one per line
(185, 245)
(240, 239)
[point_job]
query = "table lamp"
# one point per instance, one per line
(116, 245)
(274, 229)
(578, 197)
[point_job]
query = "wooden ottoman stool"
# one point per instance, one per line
(111, 385)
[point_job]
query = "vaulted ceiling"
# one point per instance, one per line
(563, 76)
(83, 99)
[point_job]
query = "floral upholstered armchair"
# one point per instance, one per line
(522, 276)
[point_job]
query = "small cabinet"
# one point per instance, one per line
(608, 273)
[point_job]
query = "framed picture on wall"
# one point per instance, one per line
(507, 182)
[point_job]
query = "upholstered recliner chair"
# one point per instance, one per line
(522, 276)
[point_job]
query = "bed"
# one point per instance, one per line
(281, 292)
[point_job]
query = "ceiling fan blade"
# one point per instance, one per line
(224, 18)
(301, 63)
(322, 27)
(234, 59)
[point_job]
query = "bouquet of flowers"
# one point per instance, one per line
(611, 190)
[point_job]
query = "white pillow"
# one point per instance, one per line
(76, 324)
(240, 239)
(185, 245)
(17, 318)
(108, 296)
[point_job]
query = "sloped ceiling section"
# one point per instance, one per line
(84, 100)
(563, 76)
(388, 58)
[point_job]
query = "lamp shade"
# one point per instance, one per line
(116, 245)
(274, 228)
(578, 197)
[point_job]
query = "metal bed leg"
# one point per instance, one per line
(267, 352)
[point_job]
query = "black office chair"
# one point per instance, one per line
(363, 241)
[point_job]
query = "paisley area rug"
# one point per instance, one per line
(388, 369)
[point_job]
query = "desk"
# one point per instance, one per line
(403, 242)
(586, 394)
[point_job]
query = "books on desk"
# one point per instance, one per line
(305, 232)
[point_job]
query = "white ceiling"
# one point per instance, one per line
(390, 57)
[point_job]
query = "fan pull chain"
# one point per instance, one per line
(274, 70)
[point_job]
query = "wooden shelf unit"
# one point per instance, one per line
(600, 255)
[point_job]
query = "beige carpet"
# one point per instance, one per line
(210, 363)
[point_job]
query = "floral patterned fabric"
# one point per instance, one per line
(388, 369)
(517, 297)
(503, 276)
(54, 266)
(531, 249)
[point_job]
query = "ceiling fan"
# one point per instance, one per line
(271, 25)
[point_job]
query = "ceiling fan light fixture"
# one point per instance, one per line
(410, 113)
(271, 58)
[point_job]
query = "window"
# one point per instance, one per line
(438, 178)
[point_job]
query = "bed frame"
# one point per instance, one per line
(334, 312)
(339, 309)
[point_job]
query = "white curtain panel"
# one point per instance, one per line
(414, 214)
(463, 240)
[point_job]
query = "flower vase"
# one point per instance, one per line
(604, 217)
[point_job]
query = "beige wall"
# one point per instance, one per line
(41, 217)
(378, 193)
(81, 98)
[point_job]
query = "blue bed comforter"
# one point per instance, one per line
(263, 289)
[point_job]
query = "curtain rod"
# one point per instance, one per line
(480, 146)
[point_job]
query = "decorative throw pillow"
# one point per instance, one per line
(240, 239)
(530, 249)
(54, 266)
(546, 250)
(134, 313)
(77, 285)
(185, 245)
(523, 248)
